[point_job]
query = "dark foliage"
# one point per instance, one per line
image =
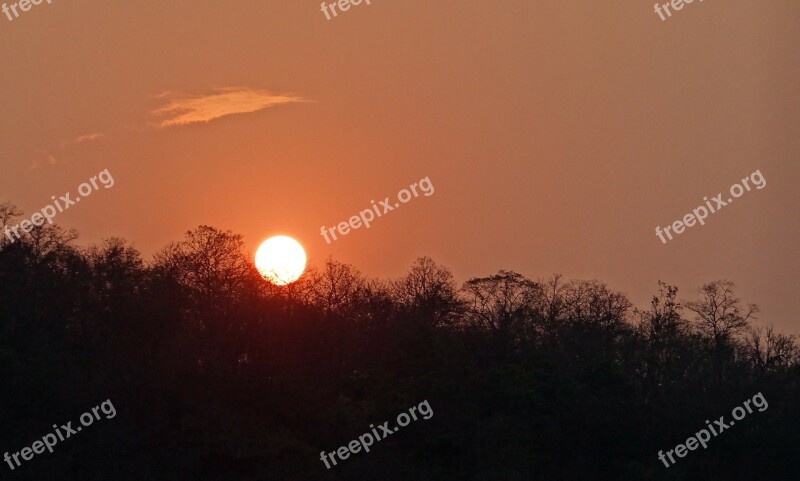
(218, 375)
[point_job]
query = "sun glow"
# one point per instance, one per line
(281, 260)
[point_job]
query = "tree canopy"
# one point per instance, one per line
(217, 374)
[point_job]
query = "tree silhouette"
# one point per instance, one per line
(217, 374)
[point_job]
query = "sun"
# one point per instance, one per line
(281, 260)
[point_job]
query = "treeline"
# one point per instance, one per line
(217, 374)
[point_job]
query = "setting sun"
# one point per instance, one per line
(281, 260)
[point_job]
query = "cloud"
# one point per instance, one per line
(182, 110)
(87, 138)
(83, 138)
(43, 155)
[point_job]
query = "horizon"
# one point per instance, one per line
(315, 265)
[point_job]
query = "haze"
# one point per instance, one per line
(557, 134)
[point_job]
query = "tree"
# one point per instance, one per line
(504, 305)
(771, 351)
(210, 262)
(429, 292)
(668, 346)
(219, 284)
(719, 313)
(593, 304)
(720, 319)
(337, 288)
(663, 322)
(8, 213)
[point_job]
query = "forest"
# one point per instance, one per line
(217, 374)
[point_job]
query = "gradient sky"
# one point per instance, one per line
(557, 134)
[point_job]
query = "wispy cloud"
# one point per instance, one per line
(87, 138)
(182, 110)
(43, 156)
(46, 156)
(81, 139)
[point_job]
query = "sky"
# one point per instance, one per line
(557, 135)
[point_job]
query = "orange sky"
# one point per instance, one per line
(557, 134)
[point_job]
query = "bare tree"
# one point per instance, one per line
(209, 261)
(663, 321)
(550, 305)
(429, 291)
(769, 350)
(719, 313)
(503, 303)
(337, 287)
(8, 213)
(593, 303)
(48, 239)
